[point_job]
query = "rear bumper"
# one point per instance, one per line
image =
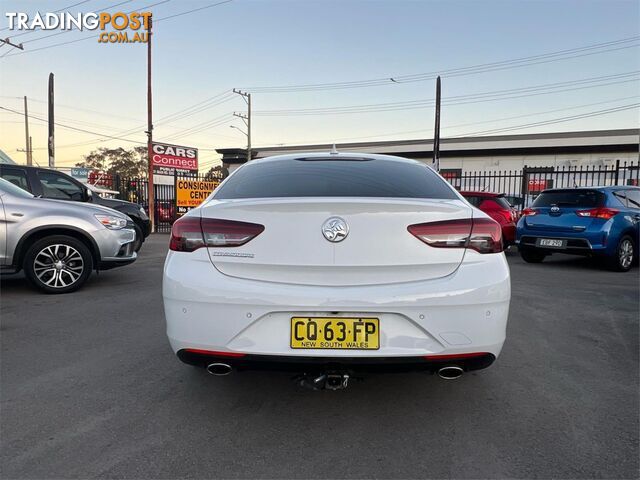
(509, 233)
(465, 312)
(354, 365)
(575, 246)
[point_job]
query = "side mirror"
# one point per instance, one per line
(89, 195)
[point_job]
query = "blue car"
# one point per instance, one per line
(595, 221)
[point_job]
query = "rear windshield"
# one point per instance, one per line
(502, 202)
(319, 177)
(570, 198)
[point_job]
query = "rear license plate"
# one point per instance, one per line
(335, 333)
(551, 242)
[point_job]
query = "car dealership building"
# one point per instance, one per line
(599, 148)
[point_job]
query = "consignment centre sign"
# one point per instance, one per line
(191, 193)
(174, 159)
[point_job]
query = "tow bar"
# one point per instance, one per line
(324, 381)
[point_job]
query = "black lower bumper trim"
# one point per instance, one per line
(115, 264)
(299, 364)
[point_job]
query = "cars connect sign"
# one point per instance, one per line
(174, 160)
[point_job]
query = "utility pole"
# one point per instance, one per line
(436, 133)
(28, 150)
(51, 139)
(246, 118)
(149, 132)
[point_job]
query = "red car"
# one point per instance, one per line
(498, 208)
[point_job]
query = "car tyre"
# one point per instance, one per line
(58, 264)
(532, 256)
(139, 239)
(624, 256)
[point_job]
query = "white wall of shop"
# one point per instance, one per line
(501, 163)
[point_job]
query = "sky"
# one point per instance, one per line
(256, 45)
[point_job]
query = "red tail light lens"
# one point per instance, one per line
(486, 236)
(527, 212)
(186, 235)
(483, 235)
(604, 213)
(190, 233)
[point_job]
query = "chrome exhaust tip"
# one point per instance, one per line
(219, 369)
(450, 372)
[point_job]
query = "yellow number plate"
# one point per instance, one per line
(335, 333)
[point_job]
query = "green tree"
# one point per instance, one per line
(216, 173)
(120, 161)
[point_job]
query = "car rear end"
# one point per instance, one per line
(497, 207)
(575, 221)
(336, 262)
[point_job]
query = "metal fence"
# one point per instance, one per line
(135, 189)
(521, 187)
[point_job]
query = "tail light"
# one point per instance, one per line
(481, 234)
(527, 212)
(508, 215)
(601, 212)
(190, 233)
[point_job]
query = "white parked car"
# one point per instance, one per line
(334, 264)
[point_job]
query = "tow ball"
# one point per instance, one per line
(324, 381)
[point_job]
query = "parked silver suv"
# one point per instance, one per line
(59, 243)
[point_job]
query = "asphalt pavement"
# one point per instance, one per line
(90, 388)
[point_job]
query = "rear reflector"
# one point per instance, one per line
(455, 356)
(602, 212)
(190, 233)
(527, 212)
(215, 354)
(483, 235)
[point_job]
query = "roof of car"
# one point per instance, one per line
(596, 187)
(480, 194)
(334, 156)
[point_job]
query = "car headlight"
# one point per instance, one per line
(111, 221)
(143, 213)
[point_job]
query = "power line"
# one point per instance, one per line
(222, 119)
(75, 128)
(596, 113)
(28, 32)
(194, 10)
(56, 11)
(185, 113)
(449, 127)
(523, 92)
(603, 47)
(93, 36)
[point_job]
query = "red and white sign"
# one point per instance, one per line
(100, 179)
(539, 184)
(174, 159)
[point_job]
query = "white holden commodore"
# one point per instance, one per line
(334, 264)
